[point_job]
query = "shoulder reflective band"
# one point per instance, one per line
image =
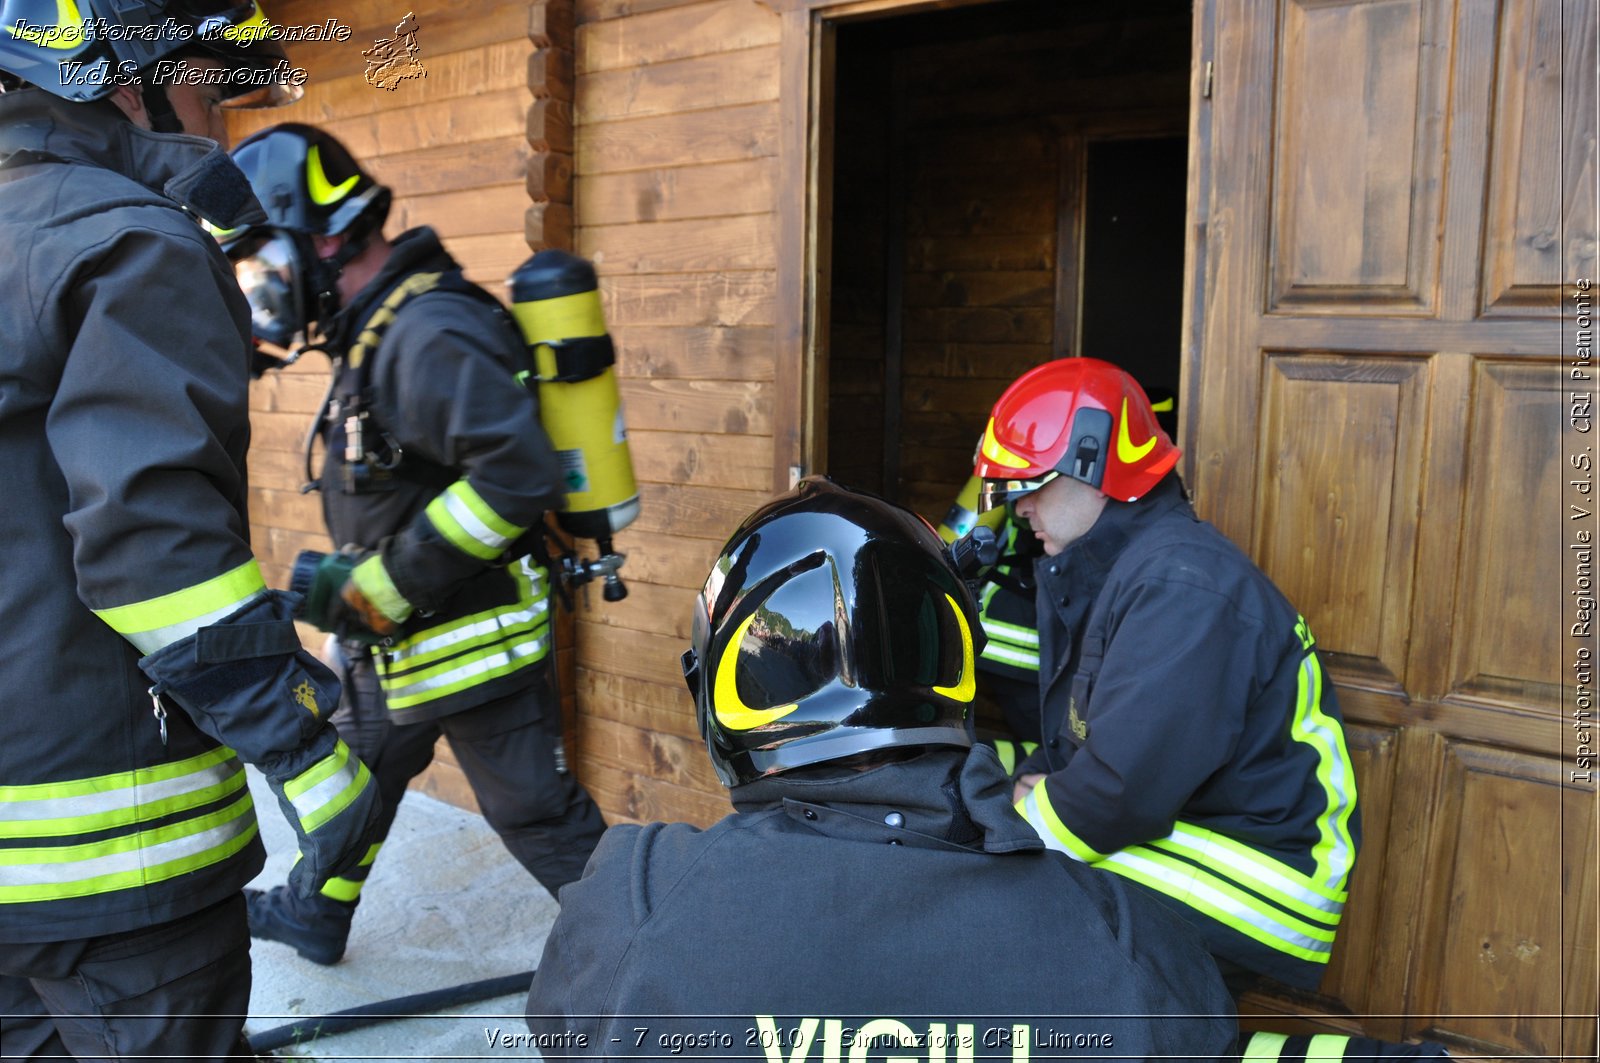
(467, 522)
(158, 622)
(130, 861)
(326, 789)
(105, 802)
(465, 652)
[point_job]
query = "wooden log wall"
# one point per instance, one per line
(676, 118)
(455, 147)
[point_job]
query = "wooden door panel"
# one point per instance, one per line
(1499, 916)
(1373, 752)
(1505, 650)
(1359, 133)
(1336, 523)
(1392, 199)
(1537, 195)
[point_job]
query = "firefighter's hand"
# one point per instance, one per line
(370, 616)
(1025, 786)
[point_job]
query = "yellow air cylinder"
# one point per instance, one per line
(555, 299)
(963, 514)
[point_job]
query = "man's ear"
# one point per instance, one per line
(129, 99)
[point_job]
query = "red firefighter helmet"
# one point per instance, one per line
(1077, 417)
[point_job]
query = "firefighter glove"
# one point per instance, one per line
(247, 682)
(330, 799)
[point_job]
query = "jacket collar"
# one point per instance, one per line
(193, 172)
(944, 799)
(413, 251)
(1085, 563)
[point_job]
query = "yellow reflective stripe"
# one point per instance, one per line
(1036, 809)
(344, 889)
(1015, 633)
(67, 33)
(1258, 871)
(461, 673)
(128, 798)
(1327, 1046)
(326, 789)
(481, 628)
(323, 191)
(372, 580)
(471, 649)
(467, 522)
(158, 622)
(1335, 850)
(995, 452)
(1222, 901)
(1003, 654)
(102, 784)
(1265, 1045)
(966, 685)
(58, 872)
(1007, 751)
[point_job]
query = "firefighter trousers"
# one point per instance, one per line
(179, 989)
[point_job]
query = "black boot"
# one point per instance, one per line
(316, 928)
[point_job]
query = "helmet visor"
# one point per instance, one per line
(997, 493)
(268, 269)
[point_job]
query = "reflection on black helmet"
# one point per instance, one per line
(62, 46)
(833, 624)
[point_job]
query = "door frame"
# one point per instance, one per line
(803, 243)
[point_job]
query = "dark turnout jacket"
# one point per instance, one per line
(124, 350)
(877, 905)
(473, 471)
(1194, 744)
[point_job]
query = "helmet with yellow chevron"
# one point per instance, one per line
(1077, 417)
(832, 625)
(309, 185)
(81, 50)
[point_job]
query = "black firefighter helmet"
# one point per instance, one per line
(310, 185)
(833, 624)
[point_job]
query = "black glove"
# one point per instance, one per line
(247, 682)
(330, 800)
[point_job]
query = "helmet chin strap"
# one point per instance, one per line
(163, 119)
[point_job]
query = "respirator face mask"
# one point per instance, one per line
(271, 272)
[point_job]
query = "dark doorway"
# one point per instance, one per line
(1132, 309)
(1008, 185)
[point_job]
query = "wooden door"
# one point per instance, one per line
(1394, 206)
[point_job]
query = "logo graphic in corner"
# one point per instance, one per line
(1127, 452)
(306, 695)
(392, 60)
(1078, 725)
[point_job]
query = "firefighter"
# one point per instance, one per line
(1008, 670)
(143, 656)
(1192, 742)
(873, 863)
(435, 466)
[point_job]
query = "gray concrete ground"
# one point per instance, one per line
(446, 904)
